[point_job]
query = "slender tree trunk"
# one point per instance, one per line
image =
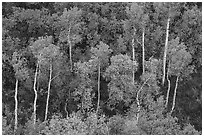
(143, 52)
(65, 108)
(70, 49)
(133, 57)
(48, 92)
(169, 86)
(16, 107)
(138, 101)
(36, 95)
(99, 71)
(174, 98)
(165, 51)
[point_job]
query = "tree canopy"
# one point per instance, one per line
(101, 68)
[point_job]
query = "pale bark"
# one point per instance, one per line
(169, 86)
(48, 92)
(16, 107)
(70, 48)
(98, 89)
(143, 52)
(133, 57)
(36, 95)
(165, 51)
(138, 101)
(174, 98)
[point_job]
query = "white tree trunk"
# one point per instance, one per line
(174, 98)
(169, 86)
(36, 95)
(16, 107)
(143, 52)
(98, 89)
(48, 92)
(133, 57)
(138, 101)
(70, 49)
(165, 51)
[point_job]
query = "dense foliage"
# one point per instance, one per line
(98, 68)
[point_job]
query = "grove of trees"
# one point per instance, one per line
(101, 68)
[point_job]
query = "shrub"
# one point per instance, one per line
(30, 129)
(116, 125)
(131, 128)
(6, 128)
(59, 126)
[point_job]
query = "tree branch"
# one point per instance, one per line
(55, 77)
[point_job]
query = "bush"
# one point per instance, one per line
(116, 125)
(131, 128)
(6, 128)
(189, 130)
(30, 129)
(59, 126)
(76, 125)
(96, 125)
(152, 121)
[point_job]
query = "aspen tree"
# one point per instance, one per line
(47, 55)
(21, 73)
(174, 97)
(100, 57)
(48, 92)
(136, 23)
(169, 86)
(70, 22)
(16, 107)
(99, 74)
(138, 101)
(165, 50)
(143, 51)
(179, 58)
(36, 95)
(133, 56)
